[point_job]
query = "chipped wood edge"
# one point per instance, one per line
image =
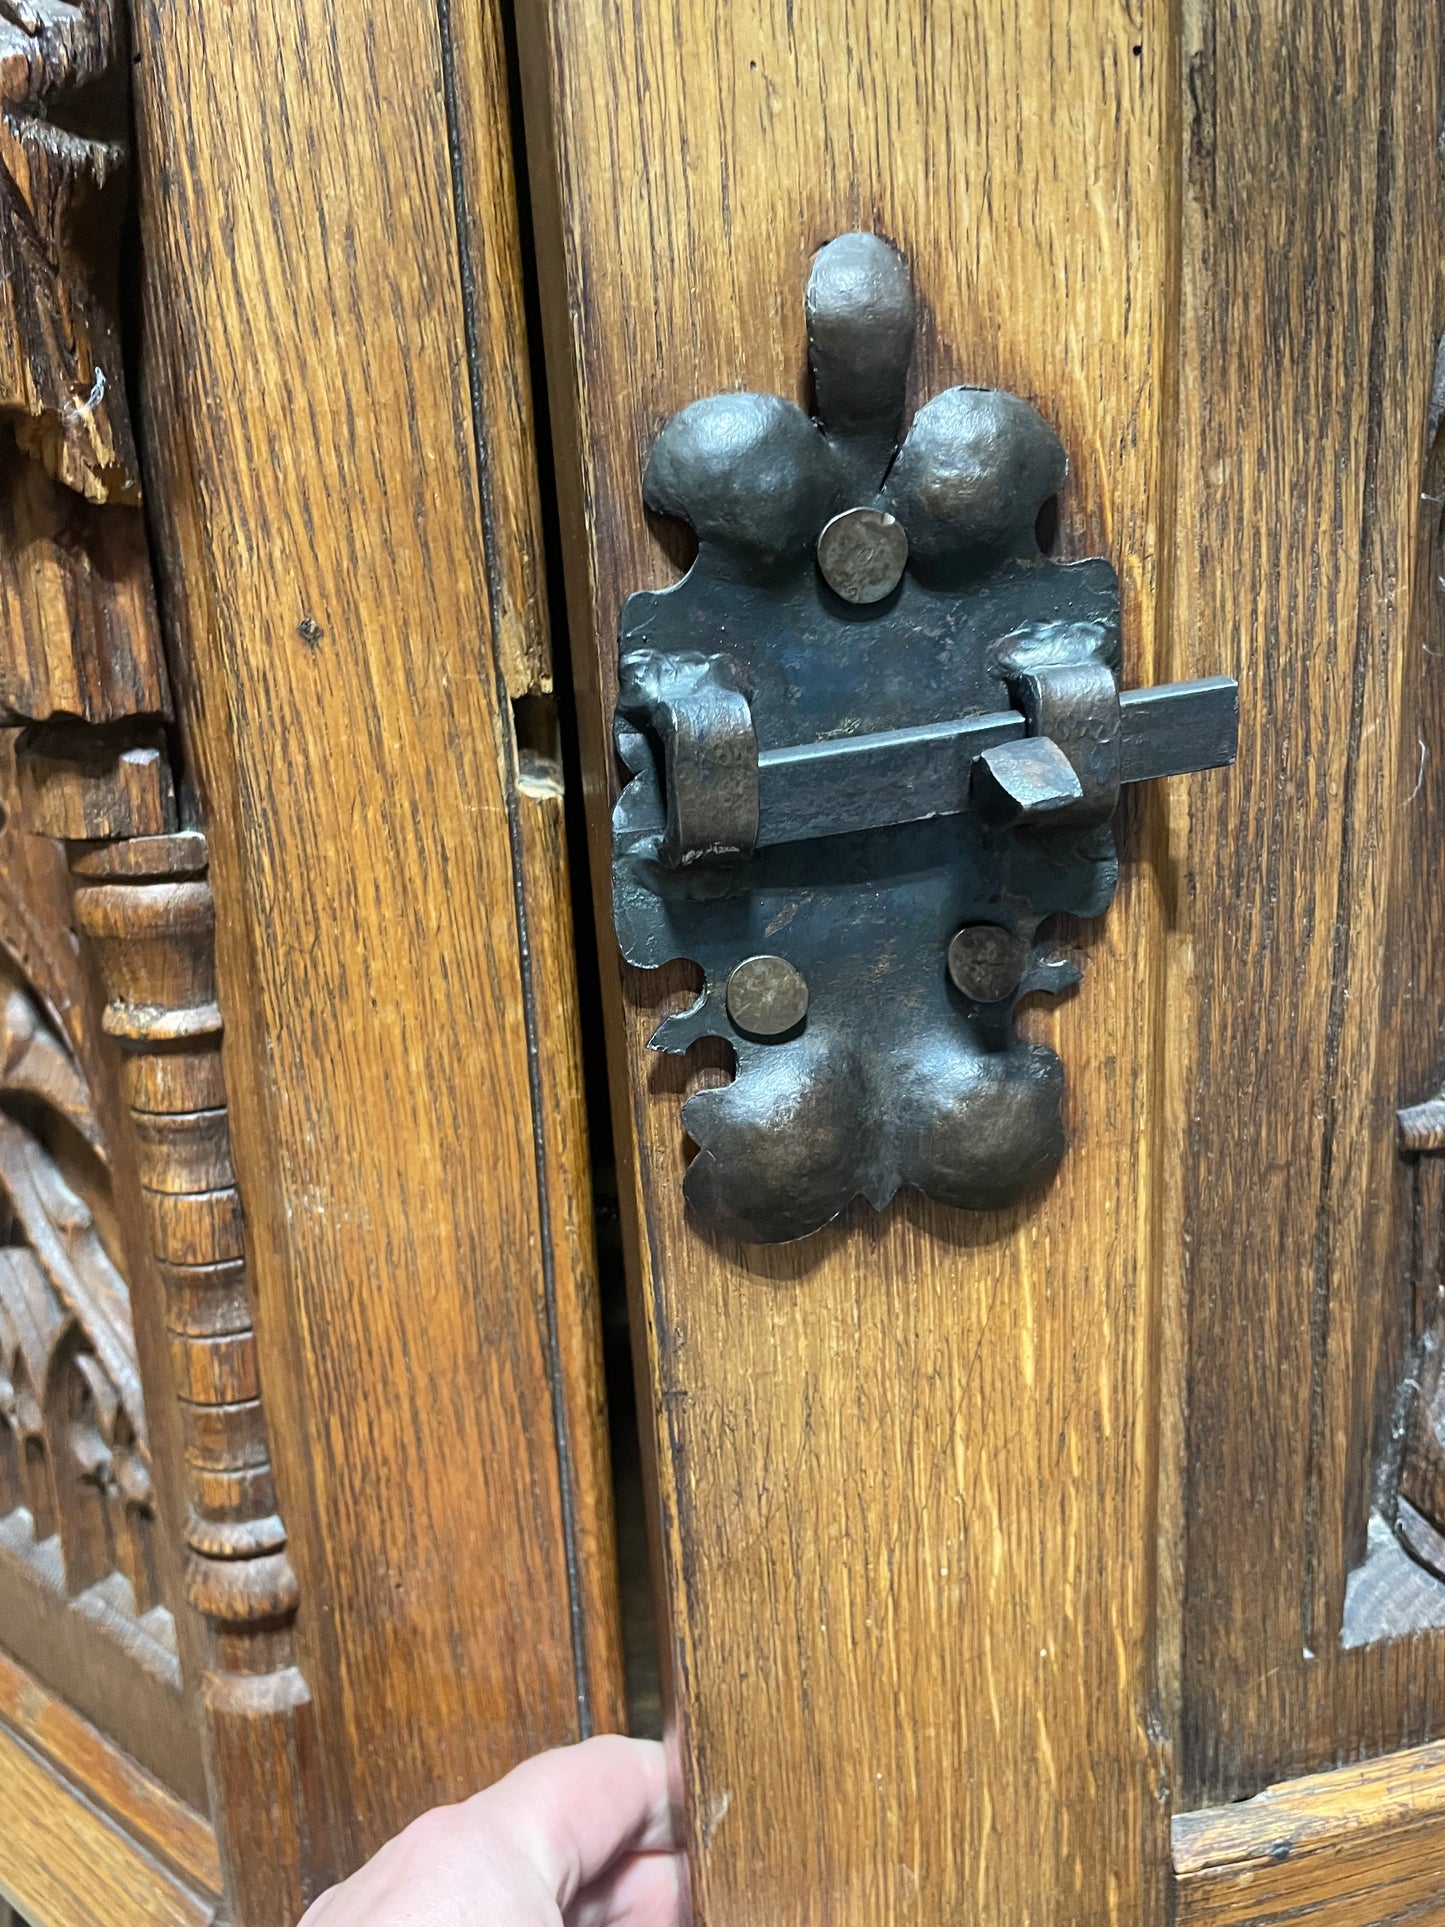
(1347, 1848)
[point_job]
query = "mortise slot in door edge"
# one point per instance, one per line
(537, 732)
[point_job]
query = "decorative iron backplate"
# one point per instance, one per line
(875, 738)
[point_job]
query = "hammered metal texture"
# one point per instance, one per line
(895, 1077)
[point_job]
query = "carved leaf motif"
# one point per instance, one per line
(62, 150)
(76, 601)
(34, 1063)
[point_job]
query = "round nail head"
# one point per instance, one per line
(986, 962)
(767, 996)
(862, 554)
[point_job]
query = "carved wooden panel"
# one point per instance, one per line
(74, 1452)
(84, 669)
(75, 591)
(313, 1326)
(83, 1594)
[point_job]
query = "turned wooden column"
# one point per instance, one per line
(146, 906)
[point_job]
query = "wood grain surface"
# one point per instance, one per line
(65, 1863)
(958, 1521)
(86, 1834)
(1359, 1847)
(905, 1471)
(353, 620)
(1246, 418)
(1310, 979)
(110, 1779)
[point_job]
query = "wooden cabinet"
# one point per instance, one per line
(1070, 1561)
(361, 1246)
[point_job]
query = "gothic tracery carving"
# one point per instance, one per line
(73, 1448)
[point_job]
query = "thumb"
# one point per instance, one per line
(574, 1811)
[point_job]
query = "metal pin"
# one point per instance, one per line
(862, 554)
(767, 996)
(986, 962)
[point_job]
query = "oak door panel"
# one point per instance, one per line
(1311, 980)
(928, 1658)
(905, 1471)
(354, 613)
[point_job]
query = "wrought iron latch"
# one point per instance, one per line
(875, 737)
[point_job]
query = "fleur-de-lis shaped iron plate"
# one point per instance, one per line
(875, 737)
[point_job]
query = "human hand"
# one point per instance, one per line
(579, 1837)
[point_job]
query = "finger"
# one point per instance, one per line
(573, 1811)
(448, 1867)
(644, 1890)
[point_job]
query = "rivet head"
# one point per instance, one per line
(986, 962)
(862, 554)
(767, 996)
